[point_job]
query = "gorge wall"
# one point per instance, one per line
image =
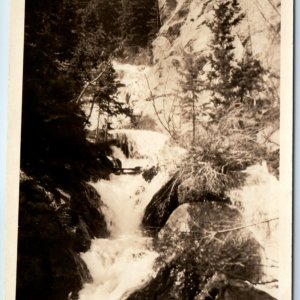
(184, 32)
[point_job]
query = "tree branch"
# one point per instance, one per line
(89, 83)
(152, 98)
(245, 226)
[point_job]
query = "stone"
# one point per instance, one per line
(219, 286)
(162, 204)
(55, 225)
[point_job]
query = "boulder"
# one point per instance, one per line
(161, 206)
(223, 288)
(168, 198)
(198, 240)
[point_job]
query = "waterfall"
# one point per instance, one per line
(122, 263)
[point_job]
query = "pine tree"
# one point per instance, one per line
(191, 86)
(104, 14)
(227, 14)
(230, 81)
(140, 22)
(106, 95)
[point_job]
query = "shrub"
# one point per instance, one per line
(215, 163)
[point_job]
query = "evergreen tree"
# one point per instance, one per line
(60, 57)
(106, 15)
(140, 22)
(191, 86)
(105, 96)
(47, 87)
(227, 14)
(230, 81)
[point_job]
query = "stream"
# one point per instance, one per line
(122, 263)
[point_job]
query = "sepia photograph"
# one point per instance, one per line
(154, 151)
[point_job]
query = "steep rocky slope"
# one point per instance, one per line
(184, 29)
(56, 223)
(184, 32)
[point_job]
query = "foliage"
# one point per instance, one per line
(230, 80)
(192, 85)
(140, 22)
(59, 57)
(238, 110)
(48, 90)
(104, 16)
(227, 14)
(216, 162)
(124, 24)
(105, 91)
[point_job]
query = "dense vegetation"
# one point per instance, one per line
(68, 50)
(68, 44)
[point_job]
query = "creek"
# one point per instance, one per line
(122, 263)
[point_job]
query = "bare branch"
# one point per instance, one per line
(271, 26)
(152, 98)
(274, 7)
(245, 226)
(90, 82)
(264, 282)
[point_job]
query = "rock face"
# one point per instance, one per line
(161, 206)
(184, 33)
(55, 224)
(191, 254)
(184, 28)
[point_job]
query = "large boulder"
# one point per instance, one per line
(198, 240)
(163, 203)
(168, 198)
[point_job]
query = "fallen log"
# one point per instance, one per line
(135, 170)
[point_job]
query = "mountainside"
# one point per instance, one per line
(184, 35)
(184, 29)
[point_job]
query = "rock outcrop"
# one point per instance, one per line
(184, 29)
(198, 240)
(222, 288)
(55, 225)
(184, 32)
(163, 203)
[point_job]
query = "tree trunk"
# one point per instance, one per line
(194, 120)
(97, 129)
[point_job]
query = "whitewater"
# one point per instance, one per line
(124, 262)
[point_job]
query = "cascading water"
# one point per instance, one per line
(121, 264)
